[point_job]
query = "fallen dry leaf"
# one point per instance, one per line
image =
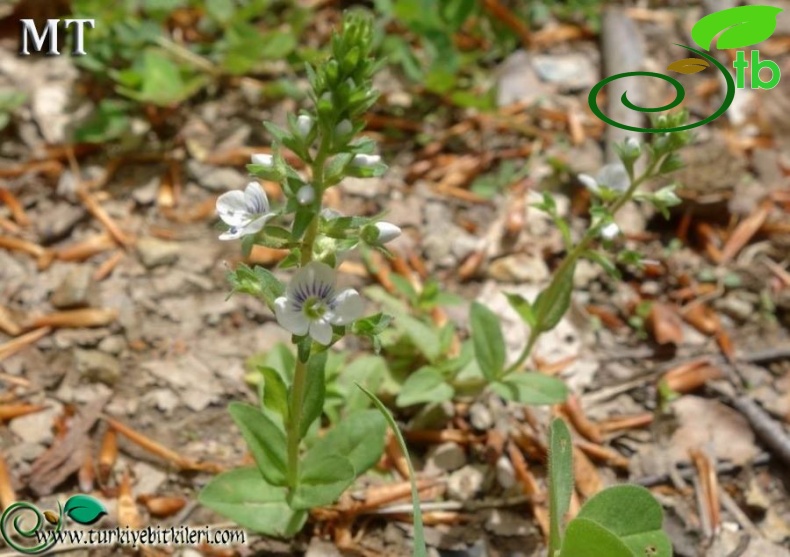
(664, 324)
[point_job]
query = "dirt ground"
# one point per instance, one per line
(125, 240)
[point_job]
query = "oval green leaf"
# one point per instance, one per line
(243, 496)
(84, 509)
(742, 26)
(688, 66)
(425, 385)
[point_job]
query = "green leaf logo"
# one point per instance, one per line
(84, 509)
(742, 26)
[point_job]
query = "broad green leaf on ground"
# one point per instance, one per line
(424, 385)
(488, 341)
(423, 336)
(742, 27)
(640, 529)
(359, 437)
(265, 440)
(531, 388)
(560, 478)
(322, 482)
(585, 538)
(243, 496)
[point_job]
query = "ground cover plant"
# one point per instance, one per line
(432, 304)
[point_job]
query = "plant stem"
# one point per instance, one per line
(296, 398)
(294, 421)
(570, 260)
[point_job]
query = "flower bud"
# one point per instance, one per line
(610, 231)
(344, 128)
(365, 161)
(305, 195)
(263, 159)
(304, 125)
(380, 233)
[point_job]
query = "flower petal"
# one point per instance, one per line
(614, 176)
(232, 208)
(321, 331)
(588, 182)
(255, 199)
(347, 308)
(314, 279)
(294, 321)
(254, 226)
(233, 233)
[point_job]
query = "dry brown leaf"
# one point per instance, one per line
(128, 514)
(588, 480)
(7, 494)
(664, 324)
(162, 507)
(573, 410)
(11, 411)
(91, 317)
(702, 317)
(743, 233)
(108, 454)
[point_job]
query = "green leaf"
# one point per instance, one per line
(552, 303)
(603, 260)
(322, 482)
(639, 528)
(488, 341)
(742, 26)
(275, 393)
(425, 385)
(531, 388)
(560, 480)
(585, 538)
(243, 496)
(419, 536)
(84, 509)
(425, 338)
(265, 440)
(522, 306)
(359, 437)
(313, 403)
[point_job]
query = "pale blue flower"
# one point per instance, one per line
(613, 176)
(244, 212)
(311, 304)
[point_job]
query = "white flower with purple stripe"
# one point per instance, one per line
(613, 176)
(311, 304)
(244, 212)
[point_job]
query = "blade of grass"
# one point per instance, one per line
(419, 537)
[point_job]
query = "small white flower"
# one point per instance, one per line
(387, 232)
(263, 159)
(610, 231)
(304, 125)
(305, 195)
(311, 305)
(244, 212)
(365, 161)
(613, 176)
(633, 144)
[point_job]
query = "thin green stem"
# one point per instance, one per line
(574, 255)
(295, 418)
(296, 399)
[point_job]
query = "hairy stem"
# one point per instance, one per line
(570, 260)
(296, 398)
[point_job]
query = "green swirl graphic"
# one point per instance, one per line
(680, 94)
(27, 533)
